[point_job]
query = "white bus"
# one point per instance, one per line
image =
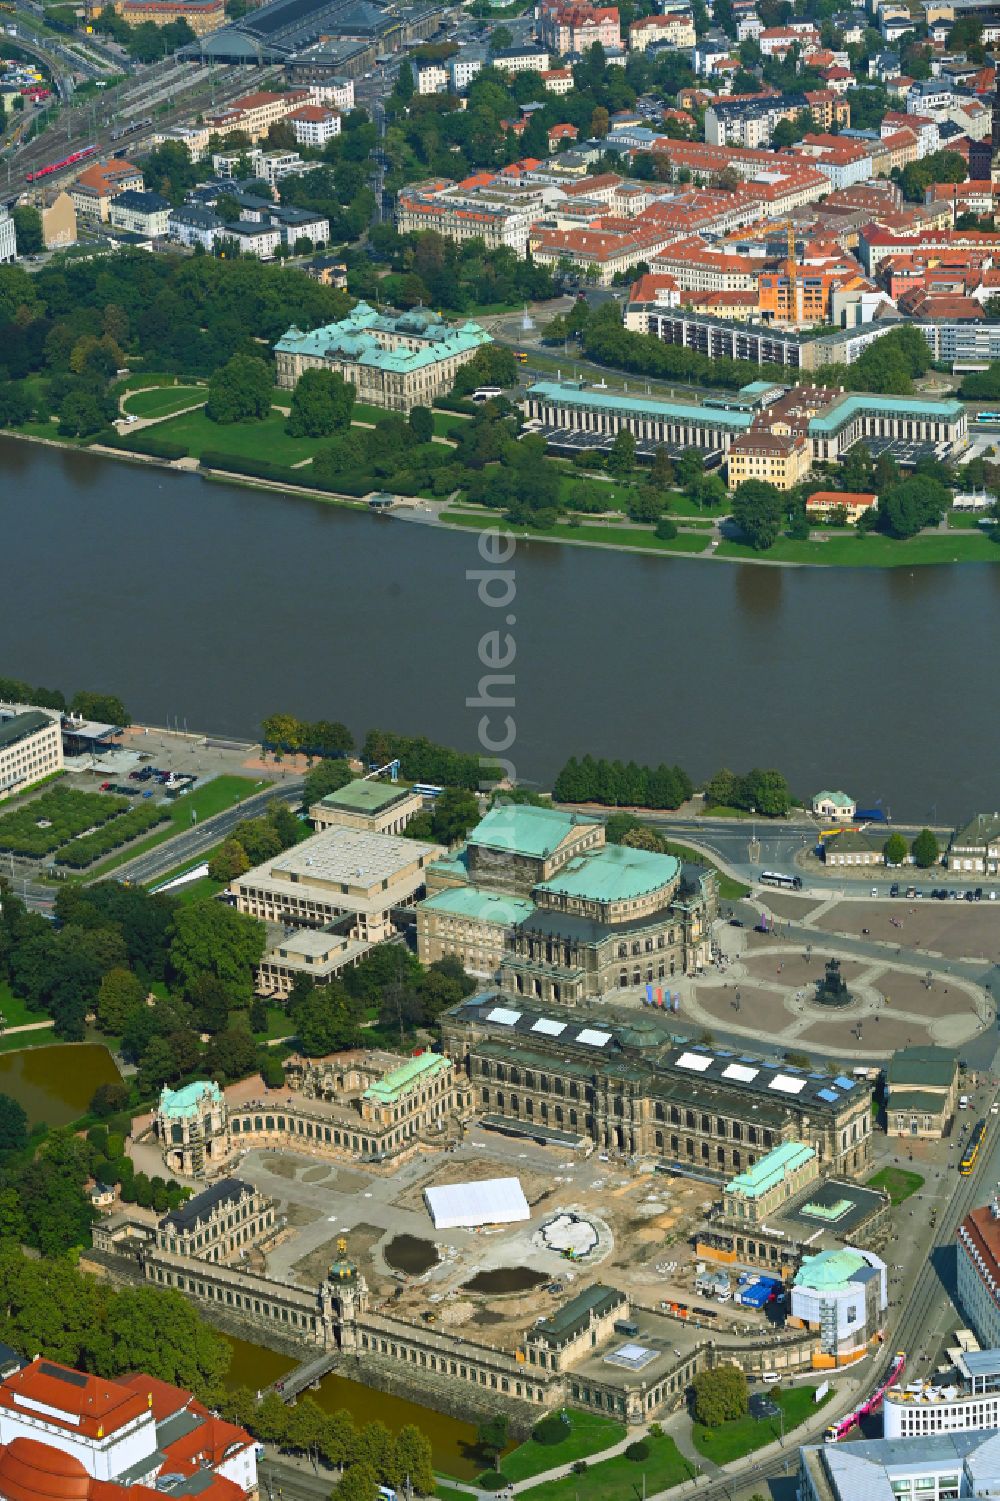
(775, 878)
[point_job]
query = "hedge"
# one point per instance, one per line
(455, 404)
(67, 814)
(90, 847)
(152, 446)
(345, 484)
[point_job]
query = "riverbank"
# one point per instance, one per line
(945, 547)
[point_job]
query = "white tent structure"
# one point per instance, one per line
(495, 1201)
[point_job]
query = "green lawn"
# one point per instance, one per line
(620, 1479)
(898, 1182)
(720, 810)
(608, 536)
(214, 797)
(246, 440)
(15, 1012)
(743, 1435)
(588, 1433)
(873, 551)
(18, 1041)
(163, 403)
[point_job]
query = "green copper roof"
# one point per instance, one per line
(355, 339)
(615, 873)
(771, 1169)
(364, 797)
(845, 410)
(830, 1270)
(525, 830)
(483, 906)
(834, 797)
(389, 1088)
(189, 1098)
(563, 394)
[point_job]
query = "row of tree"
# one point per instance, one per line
(616, 784)
(104, 707)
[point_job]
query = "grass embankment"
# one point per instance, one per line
(214, 797)
(873, 551)
(163, 402)
(730, 890)
(744, 1435)
(612, 535)
(587, 1433)
(898, 1182)
(620, 1479)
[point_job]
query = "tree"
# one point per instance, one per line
(924, 849)
(327, 777)
(13, 1125)
(767, 791)
(501, 37)
(108, 1099)
(28, 229)
(101, 706)
(121, 995)
(240, 391)
(210, 938)
(491, 1436)
(599, 122)
(894, 849)
(719, 1395)
(159, 1332)
(455, 812)
(359, 1482)
(422, 424)
(621, 461)
(321, 404)
(229, 861)
(323, 1023)
(404, 82)
(414, 1459)
(758, 512)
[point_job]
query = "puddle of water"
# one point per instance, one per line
(506, 1279)
(410, 1253)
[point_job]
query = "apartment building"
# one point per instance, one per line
(978, 1247)
(696, 267)
(30, 746)
(203, 16)
(843, 162)
(8, 238)
(672, 30)
(432, 78)
(337, 92)
(557, 80)
(527, 59)
(314, 124)
(460, 214)
(93, 190)
(141, 213)
(576, 26)
(750, 122)
(600, 253)
(256, 113)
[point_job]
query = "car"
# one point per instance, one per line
(736, 922)
(874, 891)
(135, 776)
(918, 892)
(995, 1110)
(970, 896)
(894, 889)
(978, 893)
(105, 786)
(992, 896)
(147, 794)
(954, 896)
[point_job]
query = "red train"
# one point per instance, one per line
(67, 161)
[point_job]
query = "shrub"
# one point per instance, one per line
(66, 813)
(637, 1451)
(491, 1480)
(579, 1467)
(666, 529)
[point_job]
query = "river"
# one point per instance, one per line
(219, 604)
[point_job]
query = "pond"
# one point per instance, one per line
(412, 1254)
(56, 1084)
(506, 1279)
(452, 1441)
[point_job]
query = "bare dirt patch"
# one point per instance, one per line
(763, 1010)
(783, 904)
(536, 1185)
(311, 1268)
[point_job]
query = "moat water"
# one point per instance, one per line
(56, 1084)
(452, 1441)
(217, 605)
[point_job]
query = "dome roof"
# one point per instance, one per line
(30, 1471)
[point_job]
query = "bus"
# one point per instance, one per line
(988, 416)
(968, 1162)
(775, 878)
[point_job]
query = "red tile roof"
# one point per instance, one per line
(86, 1404)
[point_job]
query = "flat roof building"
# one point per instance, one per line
(938, 1466)
(341, 872)
(376, 807)
(30, 747)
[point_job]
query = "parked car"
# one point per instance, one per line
(978, 893)
(894, 889)
(105, 786)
